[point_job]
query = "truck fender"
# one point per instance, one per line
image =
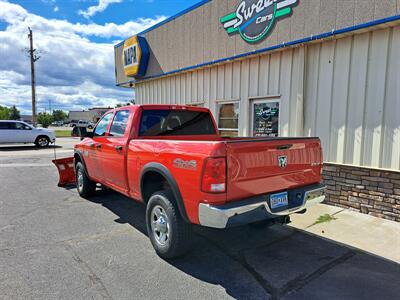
(79, 154)
(163, 171)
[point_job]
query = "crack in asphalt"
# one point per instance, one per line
(94, 279)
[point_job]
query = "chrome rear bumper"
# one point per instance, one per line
(257, 208)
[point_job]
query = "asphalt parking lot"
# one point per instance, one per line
(56, 245)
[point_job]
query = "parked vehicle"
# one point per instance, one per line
(21, 132)
(58, 123)
(82, 123)
(173, 160)
(73, 123)
(86, 124)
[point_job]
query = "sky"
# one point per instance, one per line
(75, 41)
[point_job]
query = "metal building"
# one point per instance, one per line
(289, 68)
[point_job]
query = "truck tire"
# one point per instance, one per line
(169, 234)
(84, 185)
(42, 141)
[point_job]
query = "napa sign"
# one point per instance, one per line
(255, 19)
(135, 56)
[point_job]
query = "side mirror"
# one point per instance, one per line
(89, 134)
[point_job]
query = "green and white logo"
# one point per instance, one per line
(255, 19)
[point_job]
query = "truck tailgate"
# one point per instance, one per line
(254, 167)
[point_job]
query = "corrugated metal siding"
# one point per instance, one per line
(279, 74)
(352, 98)
(345, 91)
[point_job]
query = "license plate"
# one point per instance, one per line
(279, 200)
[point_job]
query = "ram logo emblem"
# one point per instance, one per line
(282, 161)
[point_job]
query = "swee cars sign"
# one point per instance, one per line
(255, 19)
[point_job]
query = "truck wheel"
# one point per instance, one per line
(42, 141)
(84, 185)
(169, 234)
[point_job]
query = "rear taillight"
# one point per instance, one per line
(214, 176)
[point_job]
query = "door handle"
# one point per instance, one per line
(98, 146)
(91, 145)
(118, 148)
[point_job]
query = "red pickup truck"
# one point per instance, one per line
(173, 160)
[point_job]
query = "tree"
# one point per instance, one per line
(59, 115)
(4, 113)
(45, 119)
(14, 113)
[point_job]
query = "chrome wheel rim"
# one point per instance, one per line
(159, 225)
(80, 180)
(43, 142)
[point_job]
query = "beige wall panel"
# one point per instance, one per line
(364, 11)
(297, 93)
(339, 105)
(200, 89)
(264, 75)
(357, 90)
(220, 82)
(236, 80)
(254, 73)
(194, 97)
(228, 81)
(398, 6)
(384, 8)
(214, 32)
(375, 96)
(283, 30)
(391, 129)
(178, 90)
(207, 15)
(327, 15)
(207, 87)
(312, 23)
(324, 95)
(274, 68)
(345, 13)
(244, 94)
(284, 89)
(298, 24)
(213, 90)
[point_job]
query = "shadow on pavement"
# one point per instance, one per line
(278, 262)
(26, 147)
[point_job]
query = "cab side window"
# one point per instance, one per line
(119, 123)
(5, 125)
(102, 125)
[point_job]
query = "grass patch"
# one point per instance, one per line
(63, 133)
(324, 218)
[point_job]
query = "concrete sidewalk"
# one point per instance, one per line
(367, 233)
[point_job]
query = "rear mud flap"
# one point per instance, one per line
(66, 170)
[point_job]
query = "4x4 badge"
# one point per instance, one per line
(255, 19)
(282, 161)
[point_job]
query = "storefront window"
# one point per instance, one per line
(265, 118)
(228, 119)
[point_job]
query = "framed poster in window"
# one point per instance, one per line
(265, 118)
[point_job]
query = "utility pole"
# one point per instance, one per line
(33, 58)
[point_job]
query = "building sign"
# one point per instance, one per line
(135, 56)
(266, 118)
(255, 19)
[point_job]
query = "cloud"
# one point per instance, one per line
(100, 7)
(55, 9)
(73, 71)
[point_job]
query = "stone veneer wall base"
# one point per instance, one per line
(370, 191)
